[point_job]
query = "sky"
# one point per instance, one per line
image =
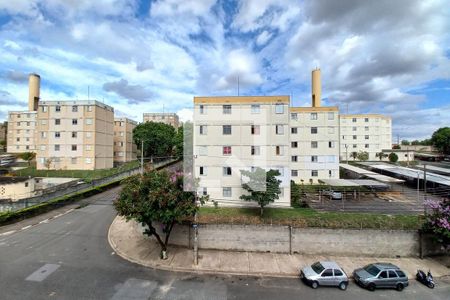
(388, 57)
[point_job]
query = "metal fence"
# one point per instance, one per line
(56, 192)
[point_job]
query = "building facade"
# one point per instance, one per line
(21, 131)
(74, 135)
(364, 132)
(240, 133)
(124, 147)
(166, 118)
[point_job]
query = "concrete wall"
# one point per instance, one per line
(282, 239)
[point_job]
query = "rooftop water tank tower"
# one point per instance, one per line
(34, 88)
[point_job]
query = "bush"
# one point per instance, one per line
(393, 157)
(437, 221)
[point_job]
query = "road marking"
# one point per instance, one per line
(44, 221)
(7, 233)
(26, 227)
(135, 289)
(42, 273)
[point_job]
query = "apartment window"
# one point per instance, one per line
(313, 130)
(331, 130)
(26, 184)
(57, 121)
(255, 129)
(226, 150)
(314, 158)
(27, 139)
(89, 108)
(227, 171)
(43, 134)
(121, 144)
(331, 116)
(314, 144)
(121, 134)
(256, 108)
(73, 160)
(74, 122)
(354, 145)
(278, 150)
(88, 160)
(366, 128)
(18, 131)
(226, 129)
(57, 147)
(43, 122)
(204, 191)
(74, 134)
(74, 147)
(28, 123)
(366, 146)
(226, 109)
(18, 139)
(88, 147)
(74, 108)
(18, 116)
(57, 108)
(330, 173)
(313, 116)
(366, 120)
(226, 192)
(314, 173)
(255, 150)
(88, 134)
(203, 129)
(354, 120)
(294, 144)
(331, 144)
(354, 137)
(294, 173)
(366, 137)
(294, 130)
(294, 158)
(57, 134)
(294, 116)
(88, 121)
(203, 171)
(18, 123)
(201, 108)
(44, 108)
(279, 129)
(279, 108)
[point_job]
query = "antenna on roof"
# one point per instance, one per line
(238, 85)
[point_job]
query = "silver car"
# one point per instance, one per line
(324, 273)
(381, 275)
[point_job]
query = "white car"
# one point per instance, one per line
(325, 273)
(333, 195)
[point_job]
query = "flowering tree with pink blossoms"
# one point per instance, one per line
(438, 221)
(157, 197)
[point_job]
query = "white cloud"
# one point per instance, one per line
(185, 114)
(263, 37)
(176, 7)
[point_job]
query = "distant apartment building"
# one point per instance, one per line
(240, 133)
(364, 132)
(21, 132)
(74, 135)
(166, 118)
(124, 146)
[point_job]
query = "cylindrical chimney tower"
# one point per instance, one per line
(316, 87)
(34, 89)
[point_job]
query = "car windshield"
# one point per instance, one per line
(317, 267)
(372, 270)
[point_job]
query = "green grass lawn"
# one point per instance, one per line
(306, 217)
(83, 174)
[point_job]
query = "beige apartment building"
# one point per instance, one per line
(166, 118)
(21, 131)
(74, 135)
(364, 132)
(124, 147)
(240, 133)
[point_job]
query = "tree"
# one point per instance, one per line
(415, 142)
(437, 221)
(381, 155)
(156, 197)
(441, 139)
(393, 157)
(178, 141)
(2, 144)
(158, 138)
(362, 155)
(405, 143)
(354, 155)
(263, 187)
(27, 156)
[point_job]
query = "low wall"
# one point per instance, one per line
(283, 239)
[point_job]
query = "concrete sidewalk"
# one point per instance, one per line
(126, 240)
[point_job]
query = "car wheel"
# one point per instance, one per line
(343, 286)
(314, 285)
(371, 287)
(431, 285)
(399, 287)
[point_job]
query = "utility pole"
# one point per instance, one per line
(142, 157)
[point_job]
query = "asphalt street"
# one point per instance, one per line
(68, 257)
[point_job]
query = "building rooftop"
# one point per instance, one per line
(313, 109)
(76, 102)
(242, 99)
(365, 116)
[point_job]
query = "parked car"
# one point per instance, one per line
(380, 275)
(324, 273)
(333, 195)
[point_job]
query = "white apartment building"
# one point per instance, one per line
(314, 136)
(364, 132)
(74, 135)
(240, 133)
(124, 147)
(21, 132)
(166, 118)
